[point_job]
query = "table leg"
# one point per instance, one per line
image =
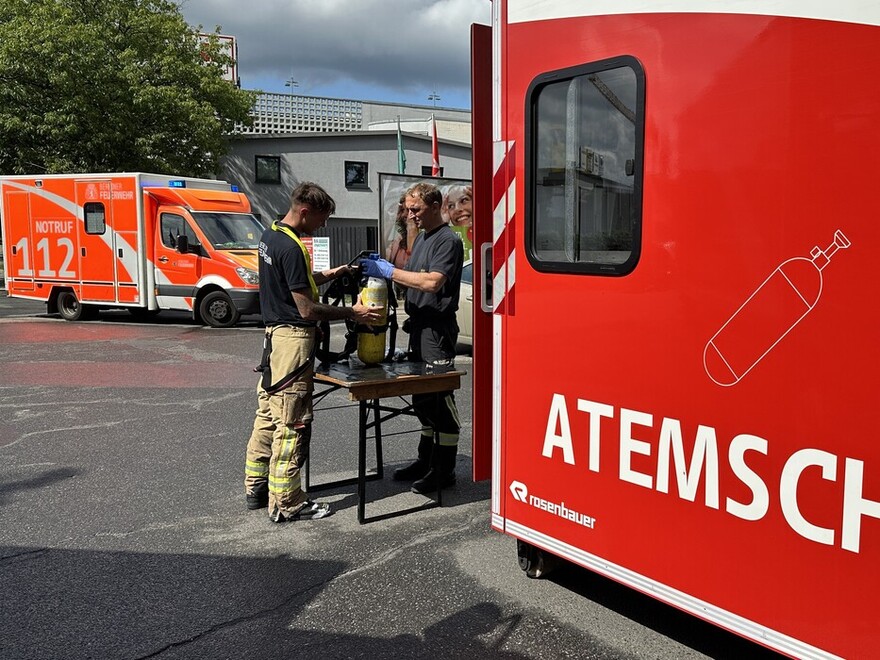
(437, 403)
(362, 459)
(377, 421)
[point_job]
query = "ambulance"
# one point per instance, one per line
(144, 242)
(676, 356)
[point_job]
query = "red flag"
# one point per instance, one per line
(435, 150)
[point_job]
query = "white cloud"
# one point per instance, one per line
(390, 50)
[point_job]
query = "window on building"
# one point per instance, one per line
(427, 170)
(267, 169)
(356, 173)
(584, 136)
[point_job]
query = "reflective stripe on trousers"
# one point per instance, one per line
(279, 443)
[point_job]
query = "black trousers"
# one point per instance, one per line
(433, 341)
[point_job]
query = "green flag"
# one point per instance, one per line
(401, 154)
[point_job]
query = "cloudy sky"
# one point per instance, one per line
(375, 50)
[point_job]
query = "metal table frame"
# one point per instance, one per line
(368, 386)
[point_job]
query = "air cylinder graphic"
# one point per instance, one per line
(778, 305)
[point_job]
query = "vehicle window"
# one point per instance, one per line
(584, 135)
(172, 226)
(230, 231)
(95, 217)
(467, 273)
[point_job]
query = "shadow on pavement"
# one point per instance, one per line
(85, 604)
(668, 621)
(47, 479)
(386, 494)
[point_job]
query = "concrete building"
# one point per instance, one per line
(344, 146)
(282, 114)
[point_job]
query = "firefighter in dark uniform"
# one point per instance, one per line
(279, 443)
(432, 278)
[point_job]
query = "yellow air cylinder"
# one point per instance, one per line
(371, 346)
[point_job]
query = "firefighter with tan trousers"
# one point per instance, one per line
(279, 444)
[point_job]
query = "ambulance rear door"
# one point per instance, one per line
(108, 239)
(96, 262)
(17, 240)
(481, 127)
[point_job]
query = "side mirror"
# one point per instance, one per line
(182, 243)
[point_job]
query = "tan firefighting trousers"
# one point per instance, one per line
(279, 443)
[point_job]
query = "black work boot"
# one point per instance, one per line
(422, 464)
(259, 498)
(441, 474)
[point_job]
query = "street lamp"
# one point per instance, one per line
(290, 82)
(434, 96)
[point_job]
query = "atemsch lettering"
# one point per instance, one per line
(639, 434)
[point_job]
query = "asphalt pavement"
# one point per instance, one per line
(124, 533)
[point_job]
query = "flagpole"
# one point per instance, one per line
(401, 153)
(435, 149)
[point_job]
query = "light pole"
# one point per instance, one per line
(290, 82)
(434, 96)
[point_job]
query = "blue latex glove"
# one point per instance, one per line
(377, 268)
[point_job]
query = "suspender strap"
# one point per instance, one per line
(284, 229)
(285, 382)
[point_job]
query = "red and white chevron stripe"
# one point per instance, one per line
(504, 227)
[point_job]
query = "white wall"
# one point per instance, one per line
(320, 158)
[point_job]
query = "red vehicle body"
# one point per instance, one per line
(675, 374)
(145, 242)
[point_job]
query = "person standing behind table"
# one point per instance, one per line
(459, 209)
(279, 443)
(433, 278)
(401, 247)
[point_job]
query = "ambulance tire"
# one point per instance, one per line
(534, 562)
(218, 311)
(72, 309)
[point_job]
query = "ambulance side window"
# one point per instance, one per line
(584, 152)
(172, 226)
(95, 217)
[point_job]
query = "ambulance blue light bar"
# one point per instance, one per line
(234, 188)
(177, 183)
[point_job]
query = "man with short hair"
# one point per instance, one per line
(432, 278)
(279, 443)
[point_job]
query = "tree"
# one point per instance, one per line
(112, 85)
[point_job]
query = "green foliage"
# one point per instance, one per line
(112, 85)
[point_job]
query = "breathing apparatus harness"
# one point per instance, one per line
(264, 366)
(348, 287)
(345, 286)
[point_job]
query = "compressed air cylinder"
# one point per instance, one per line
(778, 305)
(371, 342)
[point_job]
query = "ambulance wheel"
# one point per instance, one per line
(534, 562)
(72, 309)
(217, 310)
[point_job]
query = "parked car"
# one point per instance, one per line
(465, 314)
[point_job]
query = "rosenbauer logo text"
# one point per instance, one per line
(521, 493)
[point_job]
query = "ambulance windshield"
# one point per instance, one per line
(230, 231)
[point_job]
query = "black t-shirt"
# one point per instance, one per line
(437, 251)
(282, 270)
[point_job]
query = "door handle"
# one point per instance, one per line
(486, 302)
(163, 260)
